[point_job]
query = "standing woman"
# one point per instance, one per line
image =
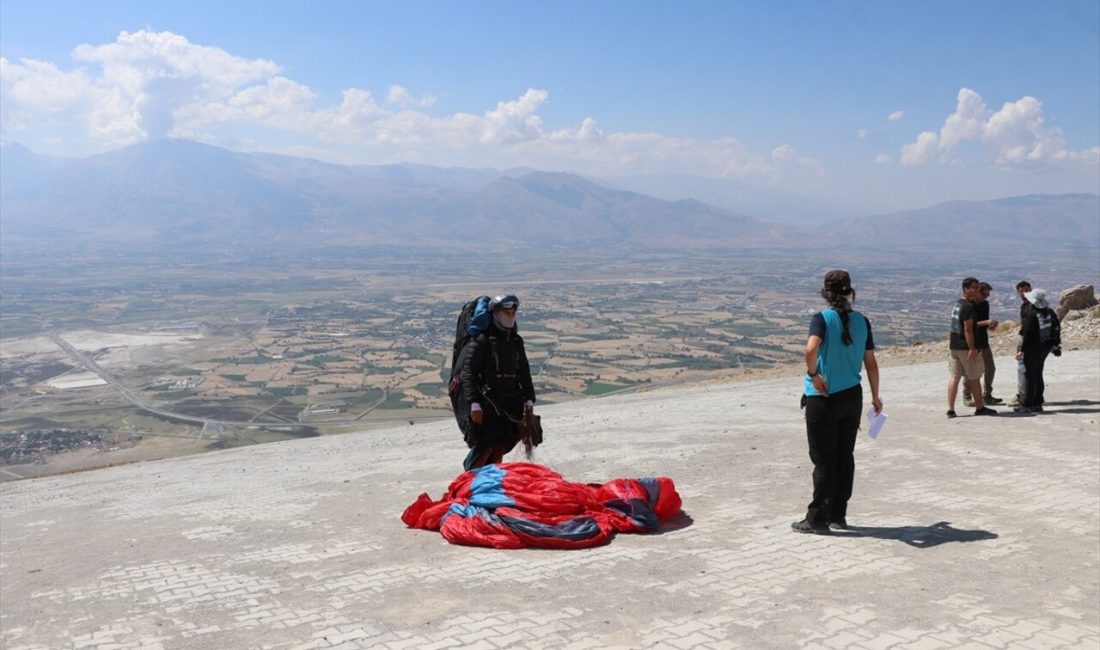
(840, 343)
(496, 383)
(1040, 334)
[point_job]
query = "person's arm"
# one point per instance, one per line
(812, 345)
(968, 330)
(1022, 340)
(1027, 331)
(871, 364)
(474, 355)
(1056, 344)
(525, 380)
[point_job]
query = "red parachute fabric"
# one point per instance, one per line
(523, 505)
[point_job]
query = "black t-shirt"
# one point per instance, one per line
(981, 334)
(817, 328)
(962, 312)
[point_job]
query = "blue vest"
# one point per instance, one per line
(839, 364)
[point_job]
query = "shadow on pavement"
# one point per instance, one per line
(919, 536)
(1076, 402)
(679, 522)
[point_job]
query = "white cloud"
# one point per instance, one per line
(147, 85)
(278, 102)
(862, 133)
(142, 80)
(1014, 136)
(146, 54)
(920, 151)
(586, 132)
(786, 158)
(37, 91)
(515, 121)
(896, 116)
(356, 113)
(966, 123)
(783, 153)
(151, 75)
(883, 159)
(401, 97)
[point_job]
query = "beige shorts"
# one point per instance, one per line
(960, 366)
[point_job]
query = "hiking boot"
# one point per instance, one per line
(952, 414)
(984, 411)
(805, 526)
(839, 524)
(968, 401)
(989, 399)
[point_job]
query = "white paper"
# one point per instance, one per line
(875, 422)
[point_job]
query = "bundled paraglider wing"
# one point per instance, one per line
(521, 505)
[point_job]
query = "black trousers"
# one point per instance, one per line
(1034, 360)
(987, 375)
(831, 426)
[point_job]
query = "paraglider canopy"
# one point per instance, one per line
(522, 505)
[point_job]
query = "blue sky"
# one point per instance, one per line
(883, 105)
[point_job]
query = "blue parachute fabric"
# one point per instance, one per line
(459, 510)
(574, 529)
(487, 488)
(653, 488)
(638, 511)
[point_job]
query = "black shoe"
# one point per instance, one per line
(952, 414)
(1021, 409)
(839, 524)
(805, 526)
(1036, 409)
(989, 399)
(984, 411)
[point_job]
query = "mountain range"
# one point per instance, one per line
(180, 192)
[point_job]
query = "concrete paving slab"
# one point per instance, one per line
(977, 532)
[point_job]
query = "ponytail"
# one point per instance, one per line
(843, 305)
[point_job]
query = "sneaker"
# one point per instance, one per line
(805, 526)
(952, 414)
(984, 411)
(1021, 409)
(839, 524)
(1015, 401)
(968, 401)
(989, 399)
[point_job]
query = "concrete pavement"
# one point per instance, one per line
(977, 532)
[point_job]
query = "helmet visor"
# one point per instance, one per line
(505, 302)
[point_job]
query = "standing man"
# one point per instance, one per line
(1022, 287)
(985, 326)
(966, 360)
(840, 343)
